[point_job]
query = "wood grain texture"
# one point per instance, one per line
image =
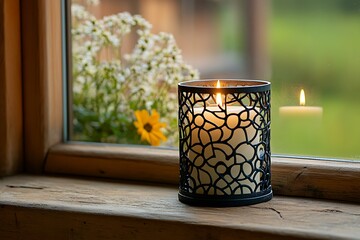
(111, 161)
(337, 180)
(290, 176)
(11, 130)
(41, 34)
(35, 207)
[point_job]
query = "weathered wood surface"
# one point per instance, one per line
(11, 130)
(34, 207)
(104, 160)
(290, 176)
(336, 180)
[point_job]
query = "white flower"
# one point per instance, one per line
(79, 12)
(108, 84)
(93, 2)
(148, 105)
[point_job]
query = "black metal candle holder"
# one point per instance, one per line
(224, 142)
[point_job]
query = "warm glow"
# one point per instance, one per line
(218, 95)
(302, 97)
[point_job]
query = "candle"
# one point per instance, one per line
(301, 128)
(222, 153)
(302, 110)
(224, 142)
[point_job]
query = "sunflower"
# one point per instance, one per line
(148, 126)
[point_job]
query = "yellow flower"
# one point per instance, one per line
(149, 127)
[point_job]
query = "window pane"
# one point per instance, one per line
(121, 77)
(315, 47)
(309, 45)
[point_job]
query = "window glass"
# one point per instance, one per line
(125, 65)
(315, 47)
(124, 74)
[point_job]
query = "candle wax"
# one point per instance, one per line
(220, 152)
(301, 111)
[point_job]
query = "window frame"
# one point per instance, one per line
(11, 116)
(45, 150)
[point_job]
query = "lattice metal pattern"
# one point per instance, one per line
(224, 147)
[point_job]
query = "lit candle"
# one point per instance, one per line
(302, 110)
(301, 128)
(230, 163)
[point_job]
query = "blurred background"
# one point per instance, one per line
(310, 45)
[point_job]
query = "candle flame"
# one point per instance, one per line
(218, 95)
(302, 97)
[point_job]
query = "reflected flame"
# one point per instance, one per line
(218, 95)
(302, 97)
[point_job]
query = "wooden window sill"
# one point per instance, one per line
(336, 180)
(48, 207)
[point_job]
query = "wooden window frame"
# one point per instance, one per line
(11, 116)
(46, 152)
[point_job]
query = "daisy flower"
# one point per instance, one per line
(149, 127)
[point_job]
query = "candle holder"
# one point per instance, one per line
(224, 132)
